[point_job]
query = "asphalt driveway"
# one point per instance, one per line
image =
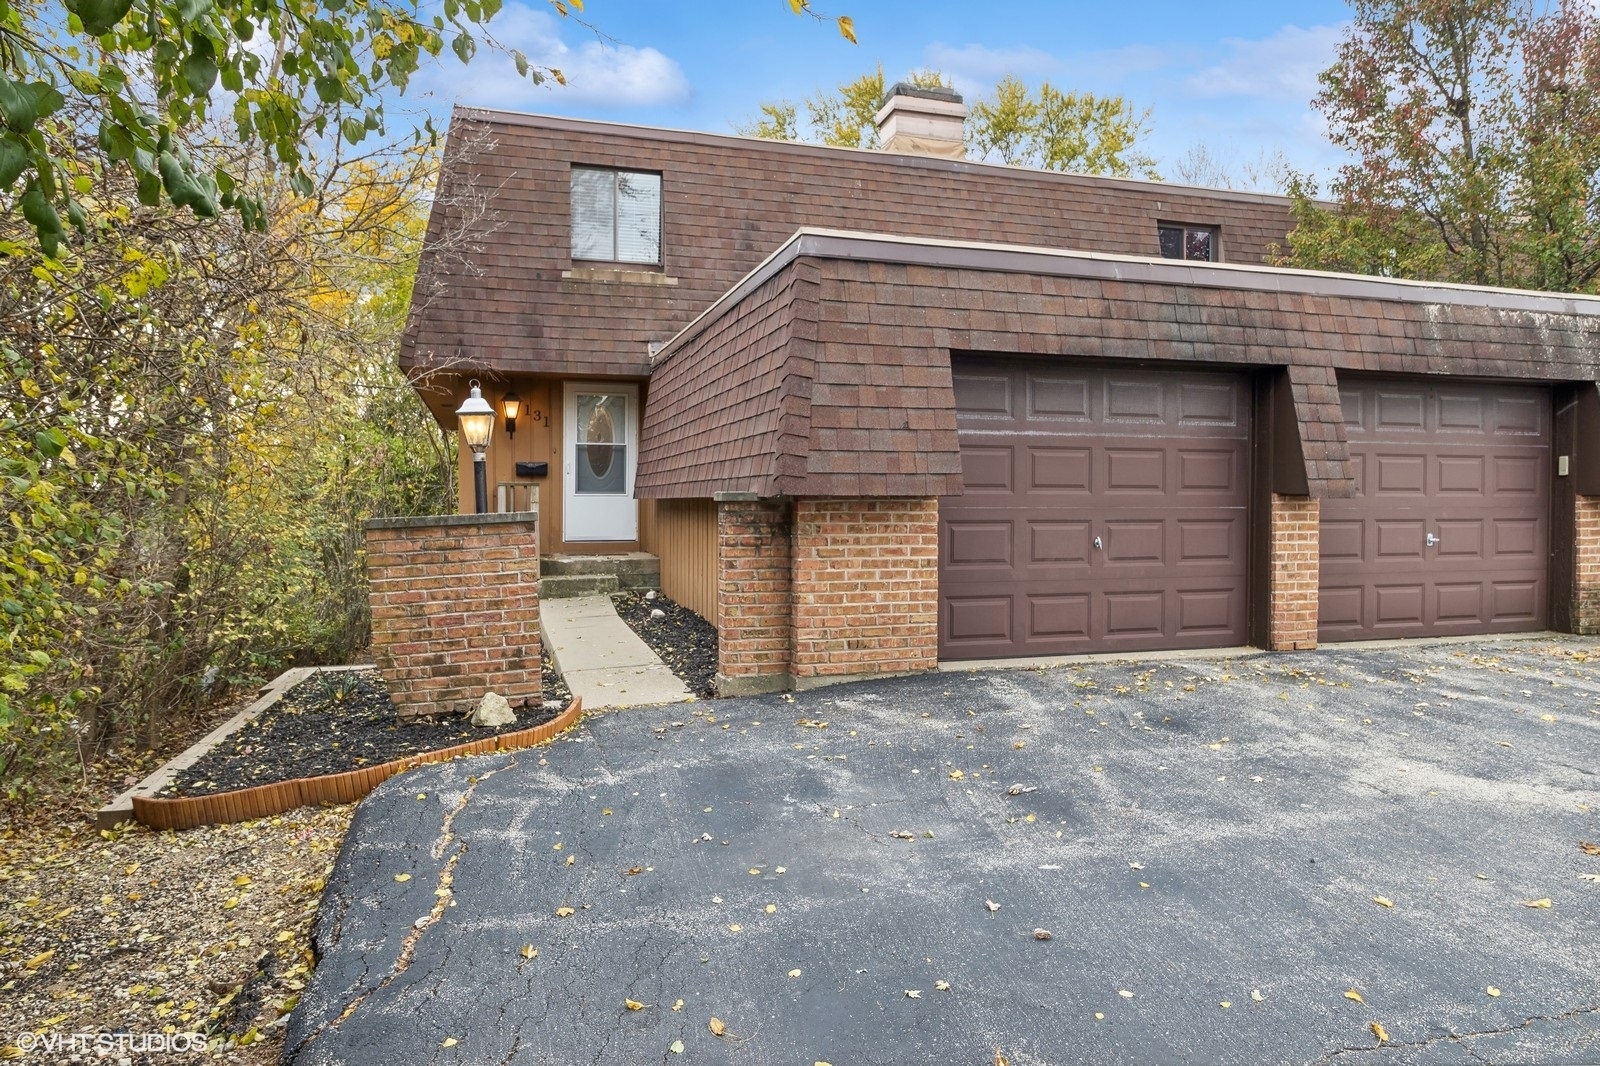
(1225, 854)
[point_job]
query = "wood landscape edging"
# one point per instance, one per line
(264, 801)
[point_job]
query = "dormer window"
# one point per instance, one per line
(616, 216)
(1188, 242)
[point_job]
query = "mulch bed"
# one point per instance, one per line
(331, 723)
(686, 642)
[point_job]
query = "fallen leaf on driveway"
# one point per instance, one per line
(676, 1047)
(991, 904)
(1256, 996)
(1021, 790)
(1000, 1058)
(678, 1005)
(941, 986)
(957, 775)
(529, 951)
(1502, 743)
(1043, 934)
(1225, 1004)
(1591, 877)
(912, 993)
(1588, 848)
(565, 912)
(1493, 991)
(1383, 901)
(633, 1004)
(716, 1027)
(1541, 904)
(794, 973)
(1124, 993)
(1380, 1032)
(449, 1041)
(1547, 718)
(1353, 994)
(902, 834)
(634, 871)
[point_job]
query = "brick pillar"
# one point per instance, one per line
(753, 602)
(1586, 572)
(866, 588)
(455, 609)
(1294, 548)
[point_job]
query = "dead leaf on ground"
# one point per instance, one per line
(1043, 934)
(1124, 993)
(676, 1047)
(529, 951)
(912, 993)
(1021, 790)
(902, 834)
(634, 871)
(1000, 1058)
(941, 986)
(1538, 904)
(1591, 877)
(678, 1005)
(1351, 993)
(1383, 901)
(716, 1027)
(565, 912)
(1588, 848)
(1493, 991)
(991, 904)
(1380, 1032)
(449, 1041)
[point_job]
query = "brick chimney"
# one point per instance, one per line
(915, 121)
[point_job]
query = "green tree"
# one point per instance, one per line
(1048, 129)
(1475, 132)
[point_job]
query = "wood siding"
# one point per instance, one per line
(684, 536)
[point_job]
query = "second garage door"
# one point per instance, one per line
(1104, 510)
(1449, 531)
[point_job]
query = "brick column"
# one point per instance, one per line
(1586, 571)
(1294, 548)
(455, 609)
(866, 588)
(753, 601)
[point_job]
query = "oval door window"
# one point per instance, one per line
(600, 431)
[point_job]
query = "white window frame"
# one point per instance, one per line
(615, 257)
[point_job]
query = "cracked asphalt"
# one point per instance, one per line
(1204, 841)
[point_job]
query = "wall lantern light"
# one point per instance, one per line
(477, 425)
(511, 406)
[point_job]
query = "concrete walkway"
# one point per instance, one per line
(601, 659)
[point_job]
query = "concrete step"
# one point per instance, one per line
(632, 570)
(571, 586)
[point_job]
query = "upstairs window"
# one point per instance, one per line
(1188, 242)
(616, 216)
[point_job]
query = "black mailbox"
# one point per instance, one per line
(533, 469)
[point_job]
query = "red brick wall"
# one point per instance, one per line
(1587, 570)
(753, 599)
(866, 587)
(455, 609)
(1294, 553)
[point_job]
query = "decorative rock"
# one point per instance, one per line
(493, 710)
(657, 612)
(650, 595)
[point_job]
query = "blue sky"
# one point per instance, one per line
(1236, 77)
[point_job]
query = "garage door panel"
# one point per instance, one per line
(1208, 471)
(1052, 543)
(1517, 601)
(1140, 470)
(1462, 475)
(1207, 540)
(1204, 404)
(1057, 469)
(986, 396)
(1058, 398)
(979, 620)
(1152, 463)
(1518, 538)
(1461, 539)
(1398, 540)
(974, 543)
(987, 468)
(1059, 617)
(1484, 496)
(1137, 400)
(1461, 602)
(1208, 611)
(1519, 475)
(1399, 475)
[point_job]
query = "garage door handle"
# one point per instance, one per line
(1097, 544)
(1432, 540)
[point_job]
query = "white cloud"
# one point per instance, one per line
(1283, 66)
(991, 64)
(598, 74)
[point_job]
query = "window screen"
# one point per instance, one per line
(1188, 242)
(616, 215)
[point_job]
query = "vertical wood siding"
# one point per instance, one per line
(685, 539)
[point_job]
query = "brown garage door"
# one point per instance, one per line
(1105, 510)
(1450, 531)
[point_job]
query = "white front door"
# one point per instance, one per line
(602, 433)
